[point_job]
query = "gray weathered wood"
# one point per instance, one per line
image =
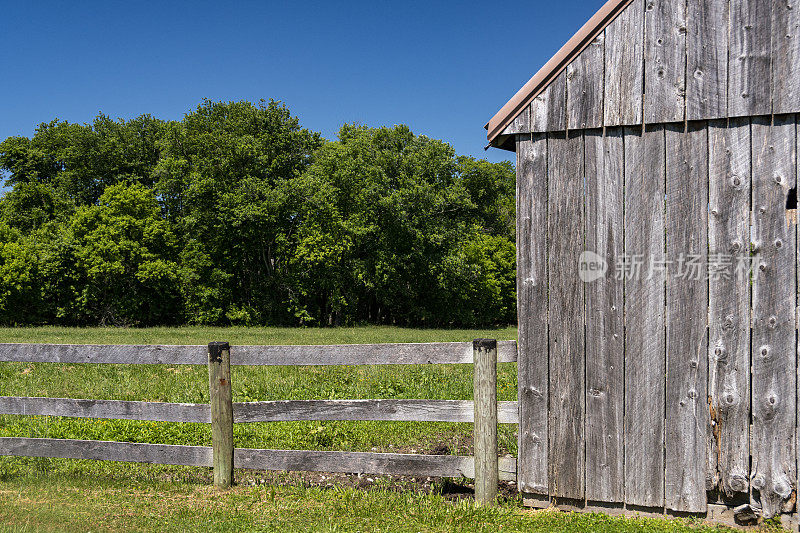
(290, 460)
(687, 315)
(549, 109)
(532, 309)
(112, 409)
(624, 64)
(380, 410)
(366, 463)
(274, 411)
(567, 387)
(729, 305)
(785, 56)
(792, 217)
(99, 353)
(521, 124)
(484, 433)
(773, 334)
(585, 87)
(163, 454)
(750, 80)
(665, 61)
(220, 392)
(707, 59)
(344, 354)
(604, 317)
(367, 354)
(644, 317)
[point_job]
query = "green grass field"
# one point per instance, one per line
(72, 495)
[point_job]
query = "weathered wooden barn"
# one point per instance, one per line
(663, 138)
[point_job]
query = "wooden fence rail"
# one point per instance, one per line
(222, 413)
(441, 353)
(255, 459)
(273, 411)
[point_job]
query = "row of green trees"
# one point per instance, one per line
(238, 215)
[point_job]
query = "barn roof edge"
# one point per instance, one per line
(542, 79)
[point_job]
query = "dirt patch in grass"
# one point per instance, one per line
(449, 488)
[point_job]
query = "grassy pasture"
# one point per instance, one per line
(81, 504)
(189, 383)
(59, 495)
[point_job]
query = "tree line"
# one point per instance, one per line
(237, 215)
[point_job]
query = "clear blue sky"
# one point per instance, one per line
(442, 68)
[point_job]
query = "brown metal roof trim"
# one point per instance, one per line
(555, 66)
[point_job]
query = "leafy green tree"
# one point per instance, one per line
(125, 256)
(20, 288)
(36, 282)
(238, 215)
(403, 203)
(30, 205)
(491, 188)
(226, 178)
(30, 160)
(81, 160)
(479, 278)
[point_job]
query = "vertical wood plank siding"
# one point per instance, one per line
(644, 316)
(624, 64)
(521, 124)
(533, 372)
(604, 318)
(774, 293)
(673, 60)
(567, 388)
(707, 59)
(584, 95)
(665, 61)
(750, 91)
(785, 56)
(687, 304)
(649, 385)
(797, 312)
(548, 110)
(729, 306)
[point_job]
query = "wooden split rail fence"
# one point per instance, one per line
(222, 413)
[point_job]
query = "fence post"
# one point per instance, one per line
(219, 384)
(484, 354)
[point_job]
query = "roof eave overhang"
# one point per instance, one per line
(553, 68)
